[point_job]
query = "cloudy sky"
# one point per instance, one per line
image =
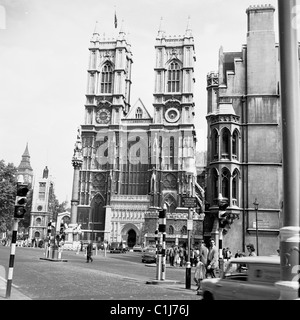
(44, 57)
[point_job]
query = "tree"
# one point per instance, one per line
(8, 189)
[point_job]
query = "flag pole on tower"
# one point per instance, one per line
(115, 19)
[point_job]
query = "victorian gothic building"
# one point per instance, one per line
(244, 137)
(128, 164)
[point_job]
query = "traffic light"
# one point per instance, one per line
(21, 200)
(62, 231)
(223, 204)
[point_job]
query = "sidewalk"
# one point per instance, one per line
(15, 293)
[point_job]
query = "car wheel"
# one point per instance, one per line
(207, 296)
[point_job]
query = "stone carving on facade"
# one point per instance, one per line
(169, 181)
(99, 181)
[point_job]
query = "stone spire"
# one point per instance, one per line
(161, 32)
(188, 31)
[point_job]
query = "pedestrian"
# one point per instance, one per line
(212, 259)
(89, 252)
(176, 256)
(251, 250)
(203, 252)
(192, 256)
(200, 273)
(237, 254)
(228, 254)
(171, 256)
(181, 256)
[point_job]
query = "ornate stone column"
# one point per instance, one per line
(77, 164)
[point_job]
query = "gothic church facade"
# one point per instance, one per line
(128, 164)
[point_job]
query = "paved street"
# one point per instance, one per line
(114, 277)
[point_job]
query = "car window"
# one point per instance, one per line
(236, 271)
(264, 273)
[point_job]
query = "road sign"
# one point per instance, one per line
(190, 224)
(189, 202)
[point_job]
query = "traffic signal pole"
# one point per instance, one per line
(11, 258)
(290, 101)
(19, 212)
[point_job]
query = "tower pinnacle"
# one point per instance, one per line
(161, 32)
(188, 31)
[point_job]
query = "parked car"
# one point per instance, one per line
(116, 247)
(137, 248)
(245, 278)
(149, 255)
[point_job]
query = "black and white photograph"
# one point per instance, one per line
(149, 152)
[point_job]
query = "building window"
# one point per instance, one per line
(172, 156)
(235, 139)
(225, 144)
(173, 77)
(184, 230)
(38, 221)
(225, 183)
(171, 230)
(215, 143)
(106, 79)
(42, 190)
(235, 188)
(139, 113)
(215, 178)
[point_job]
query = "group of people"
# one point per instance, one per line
(206, 263)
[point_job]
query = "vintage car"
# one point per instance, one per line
(149, 255)
(117, 247)
(245, 278)
(137, 248)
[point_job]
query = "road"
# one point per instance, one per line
(111, 277)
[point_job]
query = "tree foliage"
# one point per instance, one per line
(8, 189)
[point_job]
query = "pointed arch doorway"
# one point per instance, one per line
(131, 238)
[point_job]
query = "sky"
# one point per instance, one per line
(44, 58)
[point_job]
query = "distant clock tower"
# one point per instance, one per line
(25, 172)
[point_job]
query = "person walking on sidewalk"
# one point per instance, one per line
(200, 273)
(212, 259)
(89, 252)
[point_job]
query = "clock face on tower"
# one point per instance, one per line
(172, 115)
(103, 116)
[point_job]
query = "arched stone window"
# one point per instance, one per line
(184, 230)
(235, 188)
(174, 77)
(171, 230)
(225, 182)
(215, 145)
(171, 203)
(106, 79)
(225, 144)
(235, 145)
(38, 221)
(215, 185)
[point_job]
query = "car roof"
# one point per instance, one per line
(258, 259)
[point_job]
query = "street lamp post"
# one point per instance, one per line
(256, 223)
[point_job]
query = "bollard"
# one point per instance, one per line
(158, 267)
(188, 273)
